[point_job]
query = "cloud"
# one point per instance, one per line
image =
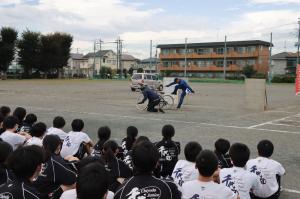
(275, 1)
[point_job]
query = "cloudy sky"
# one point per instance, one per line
(163, 21)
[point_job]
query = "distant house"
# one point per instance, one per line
(128, 61)
(284, 63)
(106, 58)
(77, 65)
(149, 65)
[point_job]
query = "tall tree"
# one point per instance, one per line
(8, 37)
(29, 51)
(55, 51)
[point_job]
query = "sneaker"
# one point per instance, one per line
(162, 111)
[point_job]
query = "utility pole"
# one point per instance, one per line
(100, 42)
(156, 67)
(150, 54)
(120, 54)
(298, 44)
(94, 65)
(270, 59)
(225, 57)
(185, 54)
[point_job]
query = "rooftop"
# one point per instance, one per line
(217, 44)
(126, 57)
(97, 54)
(76, 56)
(284, 55)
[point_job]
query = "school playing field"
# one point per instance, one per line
(216, 110)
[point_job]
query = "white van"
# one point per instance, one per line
(150, 79)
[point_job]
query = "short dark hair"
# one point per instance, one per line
(145, 157)
(1, 118)
(104, 133)
(38, 129)
(206, 163)
(92, 182)
(141, 139)
(25, 160)
(191, 151)
(239, 154)
(30, 118)
(19, 113)
(51, 142)
(5, 150)
(77, 125)
(168, 131)
(59, 122)
(4, 110)
(132, 132)
(10, 122)
(176, 79)
(265, 148)
(222, 146)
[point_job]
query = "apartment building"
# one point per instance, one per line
(206, 59)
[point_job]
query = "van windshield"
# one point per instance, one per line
(137, 76)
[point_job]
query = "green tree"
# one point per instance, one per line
(104, 71)
(248, 71)
(125, 73)
(29, 51)
(130, 71)
(8, 38)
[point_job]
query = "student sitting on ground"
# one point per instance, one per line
(185, 170)
(20, 114)
(27, 124)
(204, 186)
(168, 150)
(37, 132)
(132, 133)
(56, 175)
(57, 128)
(1, 124)
(221, 150)
(269, 171)
(10, 124)
(117, 169)
(5, 174)
(237, 178)
(77, 143)
(103, 136)
(5, 111)
(145, 157)
(25, 163)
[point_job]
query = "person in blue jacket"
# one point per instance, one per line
(152, 97)
(181, 84)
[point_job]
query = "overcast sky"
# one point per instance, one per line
(163, 21)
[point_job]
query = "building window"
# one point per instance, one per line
(241, 63)
(165, 51)
(220, 51)
(103, 60)
(201, 63)
(219, 63)
(251, 49)
(250, 62)
(182, 63)
(191, 50)
(166, 64)
(172, 51)
(241, 49)
(182, 51)
(291, 63)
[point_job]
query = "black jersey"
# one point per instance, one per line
(147, 186)
(6, 175)
(55, 172)
(169, 151)
(128, 159)
(19, 189)
(223, 160)
(25, 127)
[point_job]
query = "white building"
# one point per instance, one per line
(106, 58)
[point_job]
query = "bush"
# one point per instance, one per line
(284, 79)
(249, 71)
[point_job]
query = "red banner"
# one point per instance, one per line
(297, 82)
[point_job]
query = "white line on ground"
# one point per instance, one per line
(284, 125)
(291, 191)
(268, 122)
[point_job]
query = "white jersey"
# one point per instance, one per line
(72, 142)
(206, 190)
(14, 139)
(266, 169)
(59, 132)
(240, 181)
(34, 141)
(71, 194)
(184, 171)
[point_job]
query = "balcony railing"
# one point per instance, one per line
(233, 68)
(210, 55)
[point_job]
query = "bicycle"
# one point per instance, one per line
(166, 102)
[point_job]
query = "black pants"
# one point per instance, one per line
(152, 104)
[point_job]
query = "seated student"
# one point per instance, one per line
(1, 124)
(77, 143)
(143, 184)
(37, 132)
(132, 133)
(71, 194)
(25, 163)
(128, 157)
(5, 111)
(185, 170)
(118, 170)
(221, 150)
(204, 186)
(5, 151)
(267, 170)
(103, 136)
(168, 150)
(10, 125)
(237, 178)
(57, 129)
(26, 126)
(20, 114)
(56, 175)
